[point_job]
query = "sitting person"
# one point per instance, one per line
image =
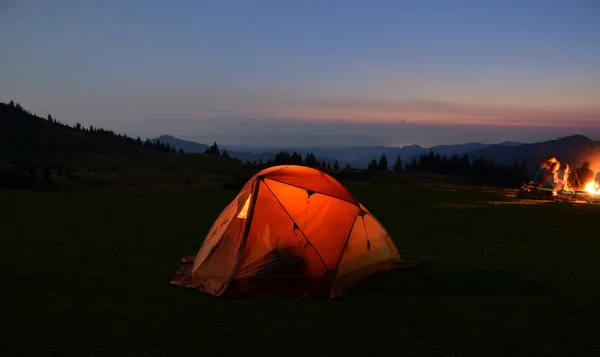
(537, 178)
(562, 176)
(544, 170)
(583, 175)
(551, 178)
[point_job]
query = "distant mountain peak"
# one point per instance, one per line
(185, 145)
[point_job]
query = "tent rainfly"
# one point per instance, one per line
(294, 231)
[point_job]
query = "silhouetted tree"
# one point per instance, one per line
(372, 165)
(383, 164)
(336, 166)
(213, 150)
(310, 160)
(398, 165)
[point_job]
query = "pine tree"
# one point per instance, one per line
(383, 164)
(311, 161)
(398, 165)
(372, 165)
(213, 150)
(336, 166)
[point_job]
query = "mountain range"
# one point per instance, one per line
(571, 149)
(26, 137)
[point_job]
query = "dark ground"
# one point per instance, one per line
(86, 274)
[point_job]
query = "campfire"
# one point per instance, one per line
(592, 188)
(556, 181)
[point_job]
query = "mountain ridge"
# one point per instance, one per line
(569, 149)
(356, 156)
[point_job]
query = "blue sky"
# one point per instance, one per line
(424, 72)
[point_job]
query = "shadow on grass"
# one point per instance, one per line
(449, 280)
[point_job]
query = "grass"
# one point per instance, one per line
(86, 274)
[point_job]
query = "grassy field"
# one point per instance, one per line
(86, 274)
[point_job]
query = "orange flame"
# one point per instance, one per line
(592, 187)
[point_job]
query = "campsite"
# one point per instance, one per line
(300, 178)
(87, 272)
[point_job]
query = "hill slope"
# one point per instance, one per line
(30, 145)
(571, 149)
(185, 145)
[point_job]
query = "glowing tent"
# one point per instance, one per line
(291, 230)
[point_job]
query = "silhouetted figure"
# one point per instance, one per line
(583, 176)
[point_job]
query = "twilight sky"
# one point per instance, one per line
(309, 72)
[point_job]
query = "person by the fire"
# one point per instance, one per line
(544, 171)
(537, 178)
(583, 176)
(563, 176)
(552, 177)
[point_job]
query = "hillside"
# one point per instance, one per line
(32, 146)
(571, 149)
(185, 145)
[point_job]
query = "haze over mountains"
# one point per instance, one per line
(25, 136)
(572, 149)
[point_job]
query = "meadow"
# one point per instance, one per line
(87, 273)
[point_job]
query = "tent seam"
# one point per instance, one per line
(337, 265)
(296, 224)
(246, 232)
(321, 193)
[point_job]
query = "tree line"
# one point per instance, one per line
(280, 158)
(479, 170)
(99, 132)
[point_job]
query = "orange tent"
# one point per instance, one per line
(291, 230)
